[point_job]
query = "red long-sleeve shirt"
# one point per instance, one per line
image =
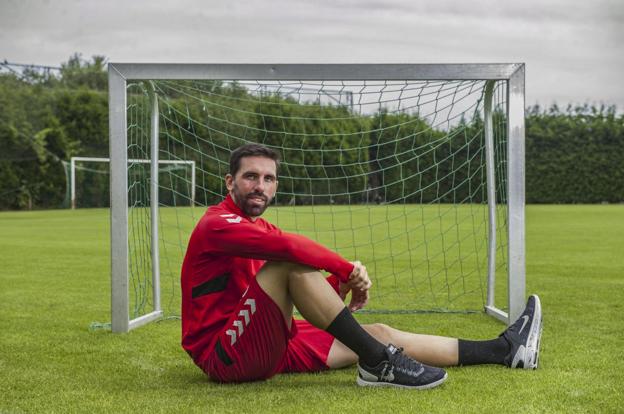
(225, 252)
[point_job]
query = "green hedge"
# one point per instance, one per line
(574, 156)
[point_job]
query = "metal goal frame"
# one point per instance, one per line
(513, 73)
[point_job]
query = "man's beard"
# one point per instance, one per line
(249, 206)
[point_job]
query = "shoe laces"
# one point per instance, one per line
(403, 363)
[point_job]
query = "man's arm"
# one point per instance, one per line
(247, 239)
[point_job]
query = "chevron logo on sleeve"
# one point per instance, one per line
(243, 320)
(231, 218)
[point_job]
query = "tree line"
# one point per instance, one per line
(573, 154)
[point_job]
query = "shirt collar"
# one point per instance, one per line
(230, 205)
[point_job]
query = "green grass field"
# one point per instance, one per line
(54, 278)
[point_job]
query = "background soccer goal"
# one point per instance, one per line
(416, 170)
(87, 175)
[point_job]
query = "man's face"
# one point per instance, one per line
(254, 185)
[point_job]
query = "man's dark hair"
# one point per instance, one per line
(252, 150)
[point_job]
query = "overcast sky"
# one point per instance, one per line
(573, 49)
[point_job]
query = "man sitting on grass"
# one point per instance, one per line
(242, 276)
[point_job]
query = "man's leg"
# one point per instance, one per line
(516, 347)
(291, 284)
(433, 350)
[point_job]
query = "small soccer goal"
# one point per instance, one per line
(415, 170)
(88, 174)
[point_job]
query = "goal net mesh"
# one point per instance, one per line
(391, 173)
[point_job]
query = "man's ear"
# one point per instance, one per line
(229, 182)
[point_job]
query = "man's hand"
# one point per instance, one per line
(358, 279)
(359, 299)
(359, 283)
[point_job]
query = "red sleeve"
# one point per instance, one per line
(334, 282)
(267, 242)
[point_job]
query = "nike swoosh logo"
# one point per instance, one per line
(526, 319)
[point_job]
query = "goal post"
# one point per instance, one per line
(410, 156)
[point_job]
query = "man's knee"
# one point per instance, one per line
(380, 331)
(280, 272)
(299, 271)
(274, 269)
(275, 278)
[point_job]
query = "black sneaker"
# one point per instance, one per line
(524, 336)
(400, 371)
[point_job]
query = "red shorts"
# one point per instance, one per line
(256, 343)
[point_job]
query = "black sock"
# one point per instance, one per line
(348, 331)
(493, 351)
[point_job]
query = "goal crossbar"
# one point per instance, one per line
(512, 73)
